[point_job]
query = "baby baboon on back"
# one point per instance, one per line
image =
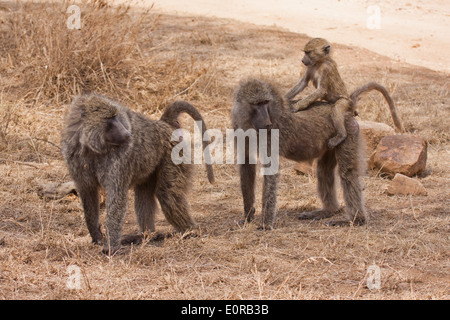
(322, 71)
(106, 145)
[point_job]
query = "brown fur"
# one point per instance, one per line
(323, 72)
(106, 145)
(302, 136)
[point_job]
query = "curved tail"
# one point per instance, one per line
(170, 116)
(375, 86)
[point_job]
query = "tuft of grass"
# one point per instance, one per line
(113, 52)
(51, 61)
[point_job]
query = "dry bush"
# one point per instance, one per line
(45, 61)
(51, 61)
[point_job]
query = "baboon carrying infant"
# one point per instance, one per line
(109, 146)
(302, 136)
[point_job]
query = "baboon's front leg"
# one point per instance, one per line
(269, 201)
(116, 205)
(248, 176)
(90, 200)
(306, 102)
(297, 88)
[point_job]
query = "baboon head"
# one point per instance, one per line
(316, 50)
(104, 124)
(258, 104)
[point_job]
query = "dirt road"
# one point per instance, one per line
(413, 31)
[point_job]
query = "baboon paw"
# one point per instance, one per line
(299, 106)
(249, 215)
(331, 145)
(334, 142)
(110, 251)
(265, 227)
(244, 222)
(98, 241)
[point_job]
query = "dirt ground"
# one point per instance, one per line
(415, 31)
(407, 240)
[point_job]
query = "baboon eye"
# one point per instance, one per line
(261, 103)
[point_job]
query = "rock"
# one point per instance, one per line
(306, 167)
(373, 132)
(404, 185)
(55, 190)
(405, 154)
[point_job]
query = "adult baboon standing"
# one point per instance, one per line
(107, 145)
(302, 136)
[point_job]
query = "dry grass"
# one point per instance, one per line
(166, 57)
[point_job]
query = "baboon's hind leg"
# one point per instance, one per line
(326, 188)
(145, 204)
(171, 190)
(351, 165)
(145, 208)
(339, 111)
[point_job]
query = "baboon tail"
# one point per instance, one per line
(170, 116)
(375, 86)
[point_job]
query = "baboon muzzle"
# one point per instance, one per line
(261, 120)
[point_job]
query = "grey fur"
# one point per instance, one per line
(303, 136)
(109, 146)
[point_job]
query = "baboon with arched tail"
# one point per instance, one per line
(302, 136)
(109, 146)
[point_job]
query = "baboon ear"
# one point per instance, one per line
(327, 49)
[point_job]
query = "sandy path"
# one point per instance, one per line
(413, 31)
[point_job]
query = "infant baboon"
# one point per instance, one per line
(322, 71)
(302, 136)
(109, 146)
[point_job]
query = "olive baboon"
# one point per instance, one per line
(323, 72)
(302, 136)
(107, 145)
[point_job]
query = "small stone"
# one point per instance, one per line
(55, 190)
(404, 185)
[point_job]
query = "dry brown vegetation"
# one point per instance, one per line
(146, 60)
